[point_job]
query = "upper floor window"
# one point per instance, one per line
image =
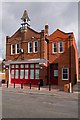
(54, 47)
(60, 46)
(35, 46)
(12, 49)
(17, 48)
(29, 47)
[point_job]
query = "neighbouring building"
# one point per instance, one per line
(79, 68)
(35, 57)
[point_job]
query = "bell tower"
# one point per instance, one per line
(25, 21)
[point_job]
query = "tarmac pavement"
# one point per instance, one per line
(34, 103)
(42, 91)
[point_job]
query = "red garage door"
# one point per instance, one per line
(25, 73)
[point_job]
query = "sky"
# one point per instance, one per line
(58, 15)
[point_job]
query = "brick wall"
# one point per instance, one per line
(63, 59)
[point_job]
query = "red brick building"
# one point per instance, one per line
(33, 56)
(79, 68)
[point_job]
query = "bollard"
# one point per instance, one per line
(7, 84)
(21, 85)
(14, 84)
(39, 86)
(49, 87)
(30, 85)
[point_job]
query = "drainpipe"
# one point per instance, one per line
(48, 71)
(70, 79)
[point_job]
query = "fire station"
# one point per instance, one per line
(35, 57)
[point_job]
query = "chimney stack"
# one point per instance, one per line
(46, 29)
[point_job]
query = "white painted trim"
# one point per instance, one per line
(11, 49)
(29, 47)
(53, 47)
(34, 46)
(9, 75)
(70, 88)
(16, 48)
(59, 47)
(1, 73)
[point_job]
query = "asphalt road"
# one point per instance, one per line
(18, 104)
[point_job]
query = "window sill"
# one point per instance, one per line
(35, 52)
(55, 53)
(30, 52)
(60, 52)
(12, 54)
(64, 79)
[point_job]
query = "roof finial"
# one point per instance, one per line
(25, 16)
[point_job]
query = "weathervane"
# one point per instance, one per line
(25, 17)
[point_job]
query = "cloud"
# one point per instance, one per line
(62, 15)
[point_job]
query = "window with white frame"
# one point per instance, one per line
(17, 48)
(12, 49)
(54, 47)
(65, 73)
(29, 47)
(60, 46)
(35, 48)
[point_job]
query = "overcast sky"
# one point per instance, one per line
(58, 15)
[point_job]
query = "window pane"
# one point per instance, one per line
(30, 44)
(12, 73)
(13, 49)
(31, 74)
(65, 76)
(17, 66)
(21, 74)
(61, 49)
(55, 73)
(18, 48)
(16, 74)
(26, 74)
(60, 46)
(36, 43)
(36, 65)
(55, 66)
(26, 65)
(54, 44)
(54, 47)
(64, 70)
(36, 49)
(35, 46)
(22, 66)
(29, 47)
(36, 74)
(31, 65)
(12, 66)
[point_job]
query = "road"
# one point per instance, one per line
(18, 104)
